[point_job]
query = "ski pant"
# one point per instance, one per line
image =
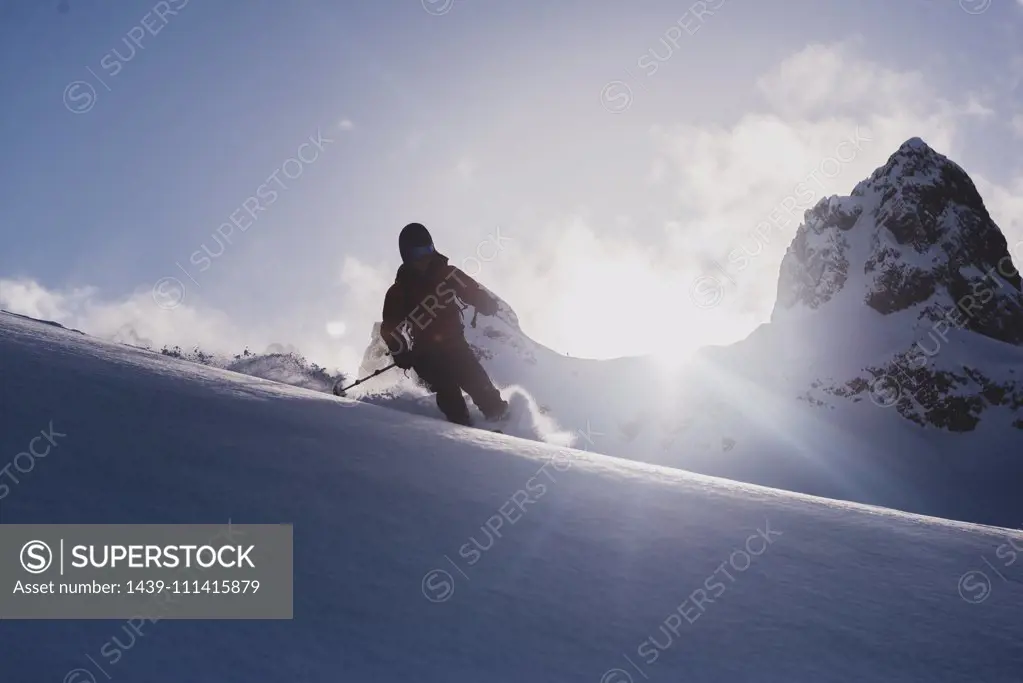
(449, 369)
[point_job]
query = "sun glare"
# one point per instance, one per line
(612, 307)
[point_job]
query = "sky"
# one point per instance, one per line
(597, 164)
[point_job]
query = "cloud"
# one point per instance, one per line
(365, 286)
(1017, 122)
(138, 320)
(465, 169)
(1005, 203)
(974, 107)
(27, 297)
(363, 278)
(657, 171)
(598, 292)
(824, 80)
(134, 320)
(729, 179)
(345, 124)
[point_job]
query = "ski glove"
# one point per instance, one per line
(403, 359)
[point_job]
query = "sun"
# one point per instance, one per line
(602, 305)
(610, 309)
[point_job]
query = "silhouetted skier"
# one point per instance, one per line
(424, 303)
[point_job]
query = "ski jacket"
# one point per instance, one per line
(426, 304)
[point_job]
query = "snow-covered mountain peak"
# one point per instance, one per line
(907, 284)
(916, 237)
(913, 160)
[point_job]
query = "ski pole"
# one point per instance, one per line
(342, 390)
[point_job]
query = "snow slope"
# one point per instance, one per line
(759, 411)
(601, 570)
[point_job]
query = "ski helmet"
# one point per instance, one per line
(414, 242)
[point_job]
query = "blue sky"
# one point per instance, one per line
(472, 117)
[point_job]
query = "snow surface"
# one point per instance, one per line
(612, 570)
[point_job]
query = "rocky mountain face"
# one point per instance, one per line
(914, 243)
(933, 248)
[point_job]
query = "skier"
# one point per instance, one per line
(424, 303)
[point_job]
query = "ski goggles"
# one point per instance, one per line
(416, 253)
